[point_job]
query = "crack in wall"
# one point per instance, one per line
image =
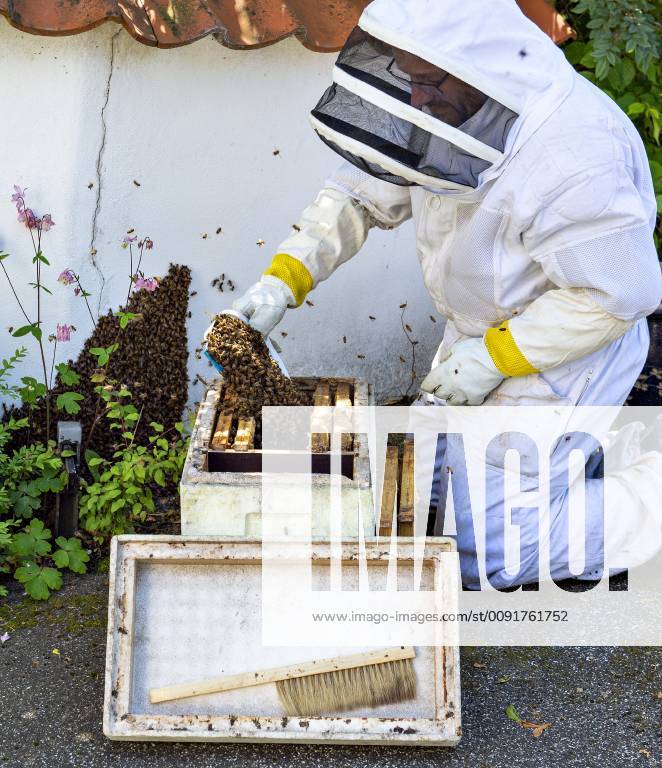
(99, 177)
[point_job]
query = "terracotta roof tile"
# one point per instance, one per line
(321, 26)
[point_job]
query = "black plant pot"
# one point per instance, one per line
(648, 389)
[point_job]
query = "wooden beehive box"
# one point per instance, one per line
(221, 486)
(186, 608)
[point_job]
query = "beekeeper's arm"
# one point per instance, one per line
(594, 241)
(329, 233)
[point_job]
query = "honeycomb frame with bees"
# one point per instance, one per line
(221, 486)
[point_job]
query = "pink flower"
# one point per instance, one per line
(5, 637)
(27, 216)
(47, 222)
(128, 240)
(18, 197)
(64, 332)
(67, 277)
(145, 283)
(76, 291)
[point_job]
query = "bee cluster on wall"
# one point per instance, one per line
(150, 361)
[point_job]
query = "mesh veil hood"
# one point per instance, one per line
(491, 46)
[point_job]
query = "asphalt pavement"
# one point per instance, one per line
(603, 704)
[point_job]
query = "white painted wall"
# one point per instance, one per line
(196, 127)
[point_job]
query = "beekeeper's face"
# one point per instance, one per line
(438, 93)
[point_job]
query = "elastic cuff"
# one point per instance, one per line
(505, 353)
(293, 273)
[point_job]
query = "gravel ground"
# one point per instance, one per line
(603, 704)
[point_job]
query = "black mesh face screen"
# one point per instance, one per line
(413, 82)
(349, 115)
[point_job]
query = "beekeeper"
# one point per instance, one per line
(531, 197)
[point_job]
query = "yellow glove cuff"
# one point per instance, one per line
(505, 353)
(293, 273)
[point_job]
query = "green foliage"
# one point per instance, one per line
(67, 376)
(6, 366)
(103, 354)
(116, 491)
(70, 554)
(27, 476)
(68, 401)
(121, 492)
(28, 554)
(38, 581)
(618, 48)
(32, 542)
(32, 328)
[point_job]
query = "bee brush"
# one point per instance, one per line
(312, 688)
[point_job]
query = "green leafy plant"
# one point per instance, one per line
(121, 493)
(27, 475)
(29, 554)
(618, 48)
(118, 491)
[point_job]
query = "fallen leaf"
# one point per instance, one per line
(361, 357)
(402, 360)
(646, 753)
(55, 652)
(503, 679)
(658, 695)
(283, 334)
(204, 235)
(408, 327)
(309, 303)
(512, 713)
(260, 242)
(371, 317)
(536, 728)
(4, 638)
(90, 185)
(479, 664)
(434, 319)
(276, 152)
(219, 230)
(402, 306)
(137, 183)
(579, 690)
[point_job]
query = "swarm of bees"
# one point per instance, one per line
(151, 361)
(220, 281)
(251, 376)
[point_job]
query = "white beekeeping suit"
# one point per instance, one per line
(530, 192)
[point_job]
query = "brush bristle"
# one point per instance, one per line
(367, 686)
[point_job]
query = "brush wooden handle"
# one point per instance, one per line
(273, 674)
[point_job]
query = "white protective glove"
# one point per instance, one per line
(466, 376)
(264, 303)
